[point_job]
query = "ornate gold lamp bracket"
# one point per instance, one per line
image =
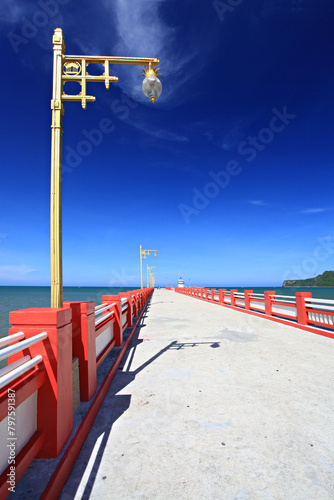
(75, 70)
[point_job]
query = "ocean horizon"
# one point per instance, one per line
(13, 298)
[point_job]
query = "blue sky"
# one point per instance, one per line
(229, 175)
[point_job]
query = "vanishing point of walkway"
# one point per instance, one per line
(213, 403)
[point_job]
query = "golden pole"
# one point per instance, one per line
(143, 254)
(141, 268)
(56, 172)
(74, 68)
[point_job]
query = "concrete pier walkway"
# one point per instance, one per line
(216, 404)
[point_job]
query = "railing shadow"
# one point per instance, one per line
(113, 407)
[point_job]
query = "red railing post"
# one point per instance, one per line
(83, 345)
(54, 403)
(118, 331)
(248, 296)
(268, 302)
(233, 292)
(302, 317)
(135, 303)
(127, 295)
(213, 293)
(222, 292)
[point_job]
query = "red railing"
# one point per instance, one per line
(37, 384)
(300, 310)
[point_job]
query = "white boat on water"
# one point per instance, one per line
(180, 283)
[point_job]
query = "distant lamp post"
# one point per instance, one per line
(152, 279)
(143, 255)
(68, 68)
(149, 273)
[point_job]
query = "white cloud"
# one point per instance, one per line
(313, 211)
(30, 21)
(159, 133)
(12, 12)
(142, 31)
(259, 203)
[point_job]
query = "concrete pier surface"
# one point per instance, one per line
(213, 403)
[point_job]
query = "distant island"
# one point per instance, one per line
(324, 279)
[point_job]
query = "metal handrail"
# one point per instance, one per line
(105, 316)
(325, 301)
(21, 370)
(105, 308)
(11, 338)
(282, 300)
(101, 305)
(290, 297)
(324, 308)
(8, 351)
(12, 366)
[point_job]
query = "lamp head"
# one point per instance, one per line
(151, 86)
(155, 254)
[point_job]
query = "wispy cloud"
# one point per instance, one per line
(12, 12)
(229, 133)
(143, 31)
(158, 132)
(259, 203)
(24, 21)
(139, 28)
(313, 211)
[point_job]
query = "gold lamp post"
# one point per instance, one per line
(143, 255)
(74, 68)
(149, 273)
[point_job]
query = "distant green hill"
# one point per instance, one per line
(324, 279)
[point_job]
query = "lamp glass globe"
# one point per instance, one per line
(152, 87)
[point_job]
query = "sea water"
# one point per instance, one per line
(13, 298)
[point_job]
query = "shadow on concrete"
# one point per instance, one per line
(113, 407)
